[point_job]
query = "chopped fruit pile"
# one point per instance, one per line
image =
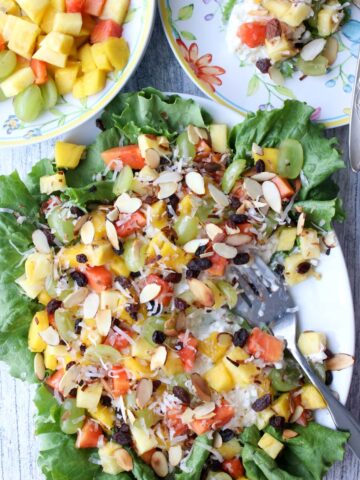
(137, 330)
(55, 47)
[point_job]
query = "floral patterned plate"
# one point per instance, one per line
(196, 33)
(69, 112)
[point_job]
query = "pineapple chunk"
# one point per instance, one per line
(270, 445)
(270, 157)
(279, 48)
(86, 59)
(115, 10)
(173, 365)
(53, 183)
(58, 5)
(186, 205)
(9, 6)
(281, 406)
(48, 55)
(100, 58)
(297, 14)
(31, 289)
(291, 263)
(22, 36)
(219, 137)
(144, 439)
(34, 9)
(327, 22)
(57, 356)
(312, 343)
(58, 42)
(7, 23)
(230, 449)
(65, 78)
(286, 239)
(118, 267)
(138, 368)
(117, 52)
(142, 349)
(242, 374)
(219, 378)
(47, 22)
(90, 397)
(111, 299)
(309, 244)
(68, 155)
(263, 417)
(69, 23)
(39, 323)
(89, 84)
(108, 459)
(38, 266)
(160, 144)
(212, 348)
(311, 398)
(277, 7)
(44, 298)
(105, 416)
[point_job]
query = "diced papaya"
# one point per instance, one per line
(266, 346)
(284, 187)
(89, 435)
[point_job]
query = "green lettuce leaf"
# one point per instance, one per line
(322, 213)
(269, 128)
(94, 193)
(227, 9)
(41, 168)
(141, 471)
(149, 111)
(196, 460)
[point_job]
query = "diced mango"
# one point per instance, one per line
(100, 57)
(270, 157)
(31, 289)
(270, 445)
(186, 205)
(281, 406)
(65, 78)
(47, 22)
(115, 10)
(291, 272)
(89, 84)
(53, 183)
(212, 348)
(230, 449)
(34, 9)
(117, 52)
(119, 267)
(105, 416)
(173, 365)
(55, 356)
(39, 323)
(69, 23)
(86, 59)
(44, 298)
(68, 155)
(311, 398)
(90, 397)
(312, 343)
(38, 266)
(237, 354)
(242, 374)
(138, 368)
(219, 378)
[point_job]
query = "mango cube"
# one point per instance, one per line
(105, 416)
(65, 78)
(34, 9)
(89, 84)
(117, 52)
(17, 82)
(100, 57)
(68, 155)
(219, 378)
(39, 323)
(86, 58)
(69, 23)
(115, 10)
(311, 398)
(58, 5)
(270, 157)
(270, 445)
(281, 406)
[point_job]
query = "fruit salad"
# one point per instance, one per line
(50, 48)
(144, 367)
(282, 36)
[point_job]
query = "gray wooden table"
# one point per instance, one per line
(160, 69)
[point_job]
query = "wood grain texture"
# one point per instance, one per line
(159, 68)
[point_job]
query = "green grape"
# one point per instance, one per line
(186, 149)
(100, 354)
(7, 63)
(205, 210)
(72, 417)
(123, 181)
(65, 324)
(186, 228)
(149, 327)
(62, 227)
(229, 292)
(285, 379)
(2, 96)
(315, 67)
(29, 104)
(49, 94)
(291, 158)
(134, 254)
(218, 476)
(231, 174)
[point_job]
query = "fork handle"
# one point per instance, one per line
(343, 419)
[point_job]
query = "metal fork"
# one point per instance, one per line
(266, 300)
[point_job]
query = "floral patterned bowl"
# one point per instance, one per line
(69, 112)
(196, 33)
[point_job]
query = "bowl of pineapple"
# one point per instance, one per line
(62, 61)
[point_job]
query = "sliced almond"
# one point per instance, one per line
(193, 245)
(340, 361)
(193, 135)
(300, 223)
(149, 292)
(148, 174)
(40, 241)
(224, 250)
(187, 416)
(214, 232)
(69, 380)
(195, 182)
(131, 416)
(204, 410)
(263, 176)
(202, 132)
(152, 158)
(312, 49)
(113, 215)
(80, 222)
(168, 177)
(253, 188)
(159, 464)
(144, 391)
(272, 196)
(127, 204)
(123, 459)
(50, 336)
(91, 305)
(159, 357)
(175, 455)
(201, 387)
(238, 240)
(87, 232)
(39, 366)
(166, 190)
(287, 434)
(330, 239)
(218, 196)
(218, 441)
(297, 414)
(112, 234)
(103, 321)
(231, 230)
(255, 148)
(202, 293)
(75, 298)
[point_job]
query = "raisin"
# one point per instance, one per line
(214, 465)
(99, 124)
(133, 310)
(192, 274)
(277, 422)
(260, 166)
(82, 348)
(174, 201)
(261, 403)
(173, 277)
(76, 211)
(123, 281)
(198, 264)
(156, 384)
(273, 29)
(69, 365)
(279, 269)
(328, 377)
(182, 394)
(53, 305)
(240, 337)
(50, 237)
(79, 278)
(180, 304)
(238, 218)
(303, 268)
(105, 401)
(227, 434)
(234, 202)
(212, 167)
(120, 250)
(135, 274)
(150, 199)
(241, 258)
(122, 435)
(263, 64)
(158, 337)
(81, 258)
(200, 250)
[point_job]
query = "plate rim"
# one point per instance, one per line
(344, 121)
(150, 14)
